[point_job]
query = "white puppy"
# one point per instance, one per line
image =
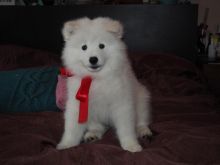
(94, 48)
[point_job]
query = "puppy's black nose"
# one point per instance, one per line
(93, 60)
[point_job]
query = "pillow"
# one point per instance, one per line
(28, 90)
(61, 92)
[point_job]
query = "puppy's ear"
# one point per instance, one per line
(111, 25)
(70, 27)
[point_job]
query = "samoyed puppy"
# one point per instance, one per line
(93, 47)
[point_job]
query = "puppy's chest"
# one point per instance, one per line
(101, 97)
(100, 94)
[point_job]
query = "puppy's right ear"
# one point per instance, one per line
(70, 27)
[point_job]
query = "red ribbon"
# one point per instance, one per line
(82, 95)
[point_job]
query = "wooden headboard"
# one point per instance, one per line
(150, 28)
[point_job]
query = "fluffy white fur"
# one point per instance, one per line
(116, 98)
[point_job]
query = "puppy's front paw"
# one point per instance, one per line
(144, 132)
(91, 136)
(132, 147)
(61, 146)
(64, 145)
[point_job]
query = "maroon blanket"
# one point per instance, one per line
(186, 123)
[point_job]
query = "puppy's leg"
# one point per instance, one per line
(143, 113)
(95, 132)
(73, 131)
(124, 121)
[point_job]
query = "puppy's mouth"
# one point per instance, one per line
(94, 68)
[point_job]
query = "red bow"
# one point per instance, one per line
(82, 95)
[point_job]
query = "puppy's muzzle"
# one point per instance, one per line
(94, 66)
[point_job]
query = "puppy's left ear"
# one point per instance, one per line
(111, 25)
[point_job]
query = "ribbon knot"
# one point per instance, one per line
(65, 72)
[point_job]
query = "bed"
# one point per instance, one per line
(186, 119)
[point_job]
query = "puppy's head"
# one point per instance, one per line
(93, 47)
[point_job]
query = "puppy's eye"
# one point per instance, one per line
(101, 46)
(84, 47)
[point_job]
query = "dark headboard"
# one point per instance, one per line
(151, 28)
